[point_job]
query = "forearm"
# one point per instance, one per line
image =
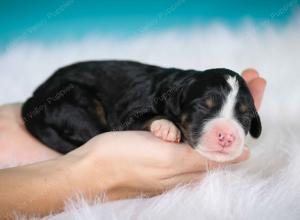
(40, 188)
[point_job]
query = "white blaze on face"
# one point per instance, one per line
(227, 110)
(223, 128)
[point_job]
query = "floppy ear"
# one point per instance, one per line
(255, 128)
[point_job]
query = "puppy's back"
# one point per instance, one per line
(63, 112)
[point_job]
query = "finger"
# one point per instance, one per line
(210, 165)
(193, 161)
(257, 88)
(198, 174)
(250, 74)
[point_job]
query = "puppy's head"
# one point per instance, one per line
(217, 113)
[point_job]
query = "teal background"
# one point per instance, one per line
(73, 19)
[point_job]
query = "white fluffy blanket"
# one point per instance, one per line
(265, 187)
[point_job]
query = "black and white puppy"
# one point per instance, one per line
(211, 110)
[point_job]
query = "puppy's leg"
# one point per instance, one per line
(67, 121)
(165, 129)
(70, 126)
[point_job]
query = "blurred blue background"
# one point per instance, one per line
(73, 19)
(39, 36)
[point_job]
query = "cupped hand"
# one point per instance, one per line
(128, 163)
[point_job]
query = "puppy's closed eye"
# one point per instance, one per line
(206, 104)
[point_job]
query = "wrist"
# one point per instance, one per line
(94, 172)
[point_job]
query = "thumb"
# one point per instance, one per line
(244, 156)
(197, 163)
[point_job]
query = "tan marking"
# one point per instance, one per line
(184, 126)
(100, 111)
(243, 108)
(183, 118)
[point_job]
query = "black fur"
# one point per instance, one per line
(85, 99)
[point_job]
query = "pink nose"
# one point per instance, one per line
(225, 139)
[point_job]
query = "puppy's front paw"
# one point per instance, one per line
(165, 130)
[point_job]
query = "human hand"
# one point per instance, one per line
(130, 163)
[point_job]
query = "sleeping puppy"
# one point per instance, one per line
(211, 110)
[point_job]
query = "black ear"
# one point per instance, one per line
(255, 128)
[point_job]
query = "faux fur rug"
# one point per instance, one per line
(267, 186)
